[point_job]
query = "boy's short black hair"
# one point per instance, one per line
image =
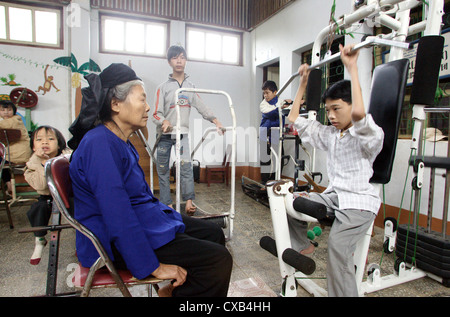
(271, 85)
(7, 104)
(174, 51)
(339, 90)
(61, 140)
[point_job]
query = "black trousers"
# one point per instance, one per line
(201, 251)
(40, 213)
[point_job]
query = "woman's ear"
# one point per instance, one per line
(115, 105)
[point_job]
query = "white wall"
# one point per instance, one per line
(28, 64)
(234, 80)
(82, 39)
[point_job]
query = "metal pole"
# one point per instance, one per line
(233, 148)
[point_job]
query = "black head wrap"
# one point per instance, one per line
(94, 98)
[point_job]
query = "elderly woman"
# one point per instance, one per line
(112, 198)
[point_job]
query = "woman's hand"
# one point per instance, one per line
(169, 271)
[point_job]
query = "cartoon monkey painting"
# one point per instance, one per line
(48, 83)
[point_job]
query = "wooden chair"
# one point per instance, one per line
(8, 136)
(219, 170)
(103, 273)
(5, 198)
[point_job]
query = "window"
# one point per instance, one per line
(133, 36)
(40, 26)
(331, 72)
(215, 46)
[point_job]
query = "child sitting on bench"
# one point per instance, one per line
(352, 143)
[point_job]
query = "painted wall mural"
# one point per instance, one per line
(77, 73)
(9, 80)
(43, 77)
(48, 83)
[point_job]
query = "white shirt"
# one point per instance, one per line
(349, 159)
(266, 107)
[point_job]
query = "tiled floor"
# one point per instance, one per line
(255, 271)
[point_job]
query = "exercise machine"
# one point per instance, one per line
(420, 251)
(391, 79)
(257, 190)
(224, 219)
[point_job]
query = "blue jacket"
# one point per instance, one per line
(112, 198)
(270, 113)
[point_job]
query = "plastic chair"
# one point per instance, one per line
(220, 170)
(97, 276)
(2, 164)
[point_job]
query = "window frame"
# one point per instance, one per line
(35, 7)
(222, 32)
(128, 18)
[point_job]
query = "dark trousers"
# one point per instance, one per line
(201, 251)
(39, 213)
(6, 174)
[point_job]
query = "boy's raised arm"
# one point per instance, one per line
(349, 59)
(295, 110)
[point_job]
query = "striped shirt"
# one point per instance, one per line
(349, 159)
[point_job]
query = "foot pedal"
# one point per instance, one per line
(310, 208)
(298, 261)
(268, 244)
(220, 219)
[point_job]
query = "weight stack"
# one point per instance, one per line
(430, 249)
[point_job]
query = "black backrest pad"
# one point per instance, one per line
(386, 101)
(427, 68)
(313, 90)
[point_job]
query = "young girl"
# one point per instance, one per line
(46, 143)
(20, 150)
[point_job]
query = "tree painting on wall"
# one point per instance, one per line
(77, 73)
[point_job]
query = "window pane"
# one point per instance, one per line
(2, 23)
(20, 28)
(114, 35)
(213, 47)
(46, 27)
(230, 49)
(155, 39)
(135, 37)
(196, 45)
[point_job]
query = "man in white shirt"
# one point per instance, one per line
(352, 142)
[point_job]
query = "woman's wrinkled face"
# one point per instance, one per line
(134, 110)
